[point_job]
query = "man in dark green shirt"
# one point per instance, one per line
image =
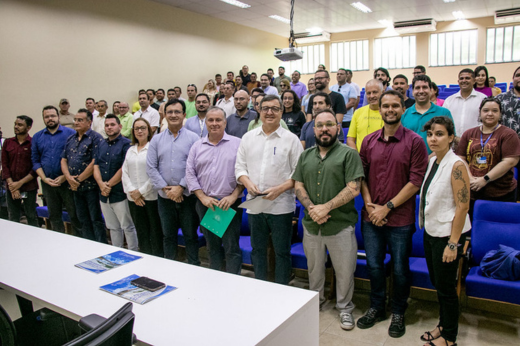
(327, 179)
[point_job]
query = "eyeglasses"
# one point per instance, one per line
(328, 124)
(267, 109)
(140, 128)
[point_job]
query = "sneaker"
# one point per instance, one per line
(397, 326)
(371, 317)
(346, 320)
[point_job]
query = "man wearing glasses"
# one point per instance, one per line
(166, 167)
(266, 160)
(327, 179)
(417, 71)
(321, 81)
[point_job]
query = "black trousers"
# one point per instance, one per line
(148, 227)
(444, 278)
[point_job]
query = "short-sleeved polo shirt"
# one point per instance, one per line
(324, 178)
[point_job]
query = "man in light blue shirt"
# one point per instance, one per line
(166, 167)
(349, 94)
(264, 83)
(197, 124)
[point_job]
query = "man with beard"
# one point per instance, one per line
(327, 179)
(197, 124)
(18, 174)
(264, 84)
(320, 101)
(238, 122)
(423, 110)
(321, 81)
(159, 95)
(47, 146)
(253, 83)
(399, 155)
(239, 85)
(400, 84)
(381, 74)
(511, 104)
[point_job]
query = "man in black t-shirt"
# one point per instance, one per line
(321, 81)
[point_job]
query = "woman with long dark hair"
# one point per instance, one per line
(292, 114)
(482, 81)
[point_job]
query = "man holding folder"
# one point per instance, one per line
(210, 175)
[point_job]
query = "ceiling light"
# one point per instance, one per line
(449, 1)
(385, 22)
(459, 15)
(281, 19)
(360, 7)
(236, 3)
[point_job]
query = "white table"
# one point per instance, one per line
(208, 308)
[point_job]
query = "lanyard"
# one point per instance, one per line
(483, 144)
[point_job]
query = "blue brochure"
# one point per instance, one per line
(107, 262)
(125, 289)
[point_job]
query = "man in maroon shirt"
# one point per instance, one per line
(395, 160)
(20, 179)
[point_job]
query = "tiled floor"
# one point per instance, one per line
(477, 327)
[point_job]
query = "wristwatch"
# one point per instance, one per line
(452, 246)
(390, 205)
(486, 178)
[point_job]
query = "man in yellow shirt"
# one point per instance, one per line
(366, 119)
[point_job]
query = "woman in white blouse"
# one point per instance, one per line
(141, 195)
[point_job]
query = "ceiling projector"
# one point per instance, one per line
(288, 54)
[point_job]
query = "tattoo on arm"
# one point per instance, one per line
(303, 197)
(463, 194)
(457, 174)
(346, 195)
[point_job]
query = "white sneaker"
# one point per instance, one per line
(346, 320)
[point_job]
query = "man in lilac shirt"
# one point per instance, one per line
(398, 155)
(210, 174)
(166, 167)
(298, 87)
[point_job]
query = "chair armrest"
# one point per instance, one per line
(90, 322)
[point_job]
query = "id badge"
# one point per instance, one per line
(482, 160)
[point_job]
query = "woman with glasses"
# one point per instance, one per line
(285, 85)
(491, 151)
(292, 114)
(140, 192)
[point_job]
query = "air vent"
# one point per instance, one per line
(306, 37)
(414, 26)
(511, 15)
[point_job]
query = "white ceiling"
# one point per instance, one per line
(337, 15)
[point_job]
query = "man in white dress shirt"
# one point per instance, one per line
(227, 103)
(464, 105)
(147, 112)
(98, 121)
(266, 160)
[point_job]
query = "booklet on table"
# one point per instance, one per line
(125, 289)
(107, 262)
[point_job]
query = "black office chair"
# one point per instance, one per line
(45, 327)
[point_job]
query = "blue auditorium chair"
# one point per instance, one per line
(494, 223)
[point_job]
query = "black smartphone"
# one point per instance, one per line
(148, 284)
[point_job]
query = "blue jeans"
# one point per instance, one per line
(399, 242)
(280, 227)
(180, 215)
(89, 214)
(230, 241)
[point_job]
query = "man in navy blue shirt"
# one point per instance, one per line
(47, 147)
(108, 170)
(77, 164)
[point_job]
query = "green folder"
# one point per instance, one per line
(218, 221)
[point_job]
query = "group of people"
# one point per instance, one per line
(148, 174)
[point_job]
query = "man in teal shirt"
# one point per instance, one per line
(327, 179)
(423, 110)
(126, 119)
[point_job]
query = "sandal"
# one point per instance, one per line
(432, 344)
(430, 337)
